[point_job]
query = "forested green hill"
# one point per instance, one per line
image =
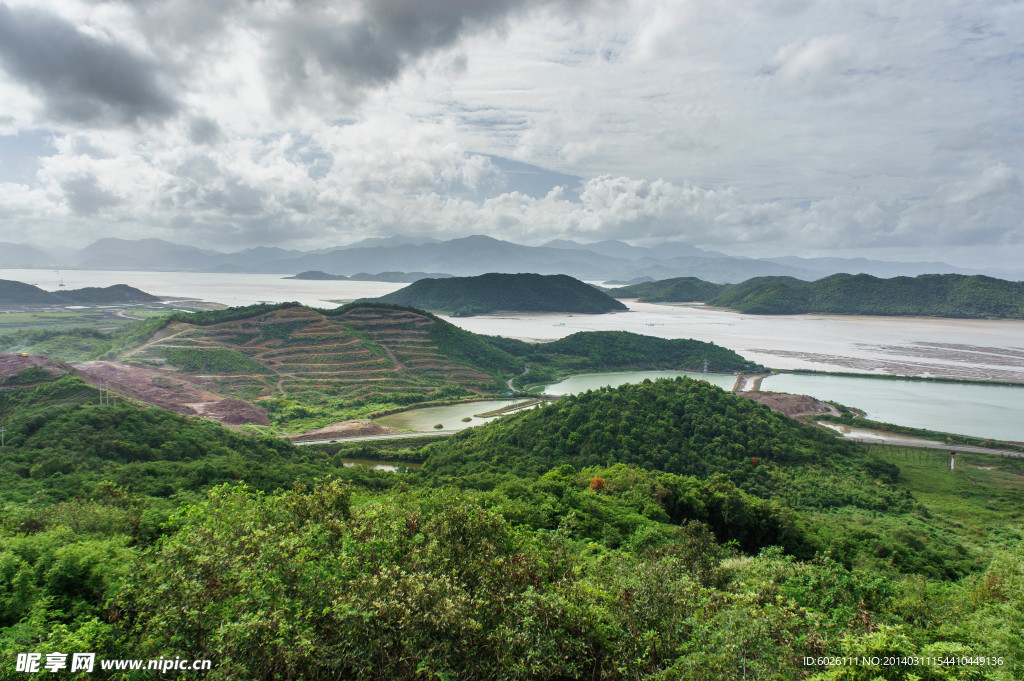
(61, 443)
(595, 351)
(504, 292)
(933, 295)
(681, 426)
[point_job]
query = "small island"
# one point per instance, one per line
(928, 295)
(18, 293)
(463, 296)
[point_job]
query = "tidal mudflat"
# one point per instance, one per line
(916, 346)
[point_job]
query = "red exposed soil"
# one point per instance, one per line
(11, 365)
(790, 405)
(170, 391)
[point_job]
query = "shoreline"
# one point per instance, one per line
(898, 377)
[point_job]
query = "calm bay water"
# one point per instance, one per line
(229, 289)
(917, 346)
(992, 411)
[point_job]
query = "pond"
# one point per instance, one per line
(450, 416)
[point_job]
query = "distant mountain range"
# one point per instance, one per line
(467, 256)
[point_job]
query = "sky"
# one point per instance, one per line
(890, 129)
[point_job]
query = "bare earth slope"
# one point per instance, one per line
(790, 405)
(348, 359)
(11, 365)
(183, 394)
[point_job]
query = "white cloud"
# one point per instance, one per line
(820, 64)
(781, 125)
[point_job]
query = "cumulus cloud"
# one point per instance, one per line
(203, 130)
(340, 183)
(85, 197)
(352, 47)
(80, 77)
(819, 64)
(775, 126)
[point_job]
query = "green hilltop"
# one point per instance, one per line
(504, 293)
(932, 295)
(677, 290)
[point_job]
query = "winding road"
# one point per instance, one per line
(526, 369)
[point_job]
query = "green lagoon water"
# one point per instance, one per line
(990, 411)
(450, 416)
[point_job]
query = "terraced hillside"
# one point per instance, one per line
(310, 366)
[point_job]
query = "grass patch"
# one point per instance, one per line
(985, 495)
(213, 360)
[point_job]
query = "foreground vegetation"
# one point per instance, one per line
(666, 530)
(933, 295)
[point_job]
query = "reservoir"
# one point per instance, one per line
(585, 382)
(989, 411)
(450, 416)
